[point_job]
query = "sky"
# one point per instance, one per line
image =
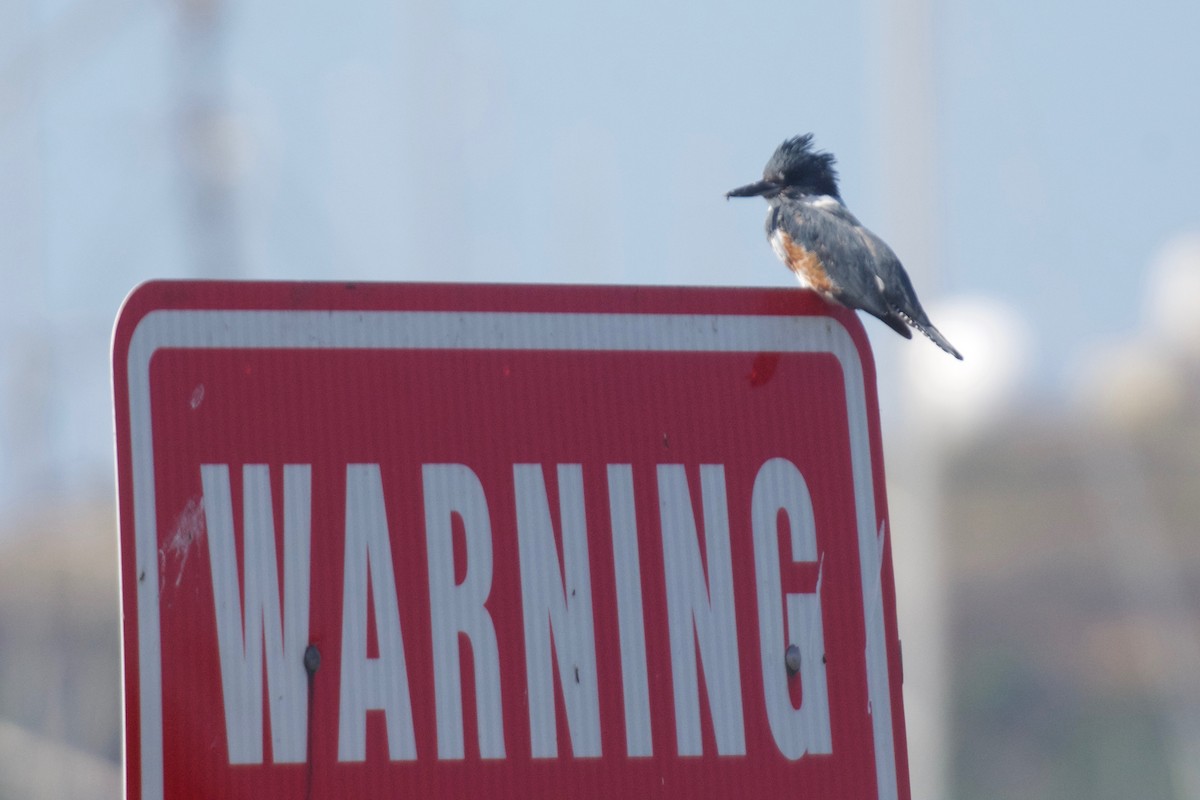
(563, 142)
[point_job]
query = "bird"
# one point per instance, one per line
(829, 250)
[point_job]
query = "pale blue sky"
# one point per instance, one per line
(569, 143)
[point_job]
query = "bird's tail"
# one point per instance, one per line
(936, 337)
(926, 327)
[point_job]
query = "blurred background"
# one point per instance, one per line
(1034, 163)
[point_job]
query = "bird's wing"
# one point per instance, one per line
(826, 229)
(898, 291)
(897, 288)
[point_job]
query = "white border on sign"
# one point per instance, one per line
(449, 330)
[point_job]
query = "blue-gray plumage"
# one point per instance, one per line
(828, 249)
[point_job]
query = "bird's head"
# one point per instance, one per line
(794, 168)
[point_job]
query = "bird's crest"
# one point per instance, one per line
(796, 163)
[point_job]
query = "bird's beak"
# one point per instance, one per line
(753, 190)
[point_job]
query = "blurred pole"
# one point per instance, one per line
(205, 140)
(915, 453)
(435, 165)
(26, 353)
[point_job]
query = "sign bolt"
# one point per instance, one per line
(312, 659)
(792, 658)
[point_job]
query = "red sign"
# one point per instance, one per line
(502, 541)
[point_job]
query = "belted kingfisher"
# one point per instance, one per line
(828, 249)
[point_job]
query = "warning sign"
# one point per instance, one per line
(502, 541)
